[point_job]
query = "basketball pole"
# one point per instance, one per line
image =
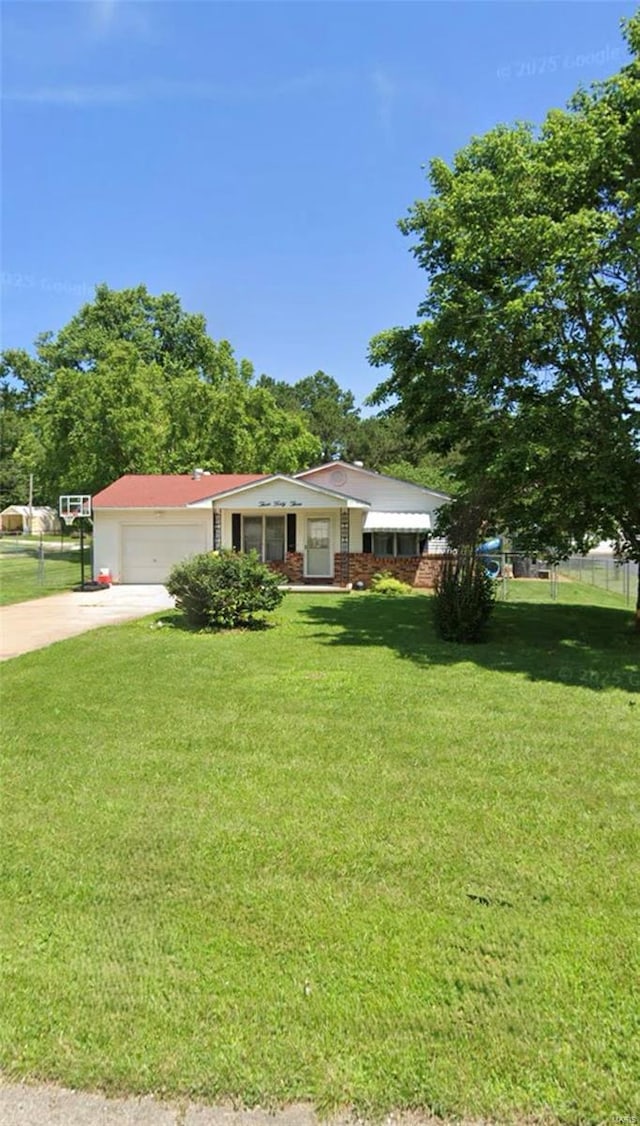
(74, 507)
(82, 553)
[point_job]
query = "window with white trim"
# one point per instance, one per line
(396, 543)
(266, 535)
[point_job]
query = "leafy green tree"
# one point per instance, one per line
(284, 393)
(124, 416)
(235, 428)
(432, 472)
(13, 417)
(387, 443)
(158, 328)
(284, 442)
(22, 379)
(526, 358)
(383, 439)
(83, 433)
(329, 411)
(26, 375)
(133, 384)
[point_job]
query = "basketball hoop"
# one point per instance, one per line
(75, 506)
(72, 506)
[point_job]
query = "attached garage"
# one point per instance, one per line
(150, 551)
(144, 524)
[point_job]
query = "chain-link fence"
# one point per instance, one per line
(30, 565)
(603, 571)
(600, 571)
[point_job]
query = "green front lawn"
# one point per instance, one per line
(22, 579)
(335, 860)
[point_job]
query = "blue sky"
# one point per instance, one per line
(254, 157)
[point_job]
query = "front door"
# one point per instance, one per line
(318, 548)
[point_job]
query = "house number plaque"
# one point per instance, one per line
(279, 504)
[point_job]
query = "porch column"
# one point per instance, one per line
(343, 575)
(217, 529)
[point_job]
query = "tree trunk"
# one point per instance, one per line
(638, 603)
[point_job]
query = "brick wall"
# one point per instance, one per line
(417, 570)
(292, 567)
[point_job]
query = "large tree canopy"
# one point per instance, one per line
(526, 357)
(133, 384)
(329, 411)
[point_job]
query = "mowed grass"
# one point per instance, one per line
(336, 860)
(22, 579)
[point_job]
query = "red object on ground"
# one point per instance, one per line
(104, 577)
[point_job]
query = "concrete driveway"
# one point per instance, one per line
(50, 1106)
(32, 625)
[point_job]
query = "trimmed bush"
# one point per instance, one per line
(464, 598)
(384, 583)
(224, 589)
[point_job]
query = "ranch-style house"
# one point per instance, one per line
(336, 524)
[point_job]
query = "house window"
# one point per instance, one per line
(383, 543)
(273, 538)
(407, 543)
(396, 543)
(252, 528)
(264, 534)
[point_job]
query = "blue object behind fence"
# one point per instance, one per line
(492, 566)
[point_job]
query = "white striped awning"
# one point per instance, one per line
(397, 522)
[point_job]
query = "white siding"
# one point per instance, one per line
(276, 491)
(108, 532)
(384, 494)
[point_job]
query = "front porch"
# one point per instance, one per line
(316, 537)
(419, 570)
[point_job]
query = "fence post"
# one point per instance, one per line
(41, 562)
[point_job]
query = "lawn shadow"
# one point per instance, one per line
(586, 646)
(177, 619)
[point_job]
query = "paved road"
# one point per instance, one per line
(32, 625)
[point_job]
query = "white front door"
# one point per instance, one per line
(319, 563)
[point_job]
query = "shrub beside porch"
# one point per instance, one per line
(351, 567)
(417, 570)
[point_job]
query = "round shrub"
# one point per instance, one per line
(385, 583)
(224, 589)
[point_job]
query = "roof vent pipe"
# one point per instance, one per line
(197, 474)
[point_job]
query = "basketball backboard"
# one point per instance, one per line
(73, 505)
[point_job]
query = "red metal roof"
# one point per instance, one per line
(161, 490)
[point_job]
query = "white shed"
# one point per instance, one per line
(19, 519)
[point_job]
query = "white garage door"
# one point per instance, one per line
(150, 551)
